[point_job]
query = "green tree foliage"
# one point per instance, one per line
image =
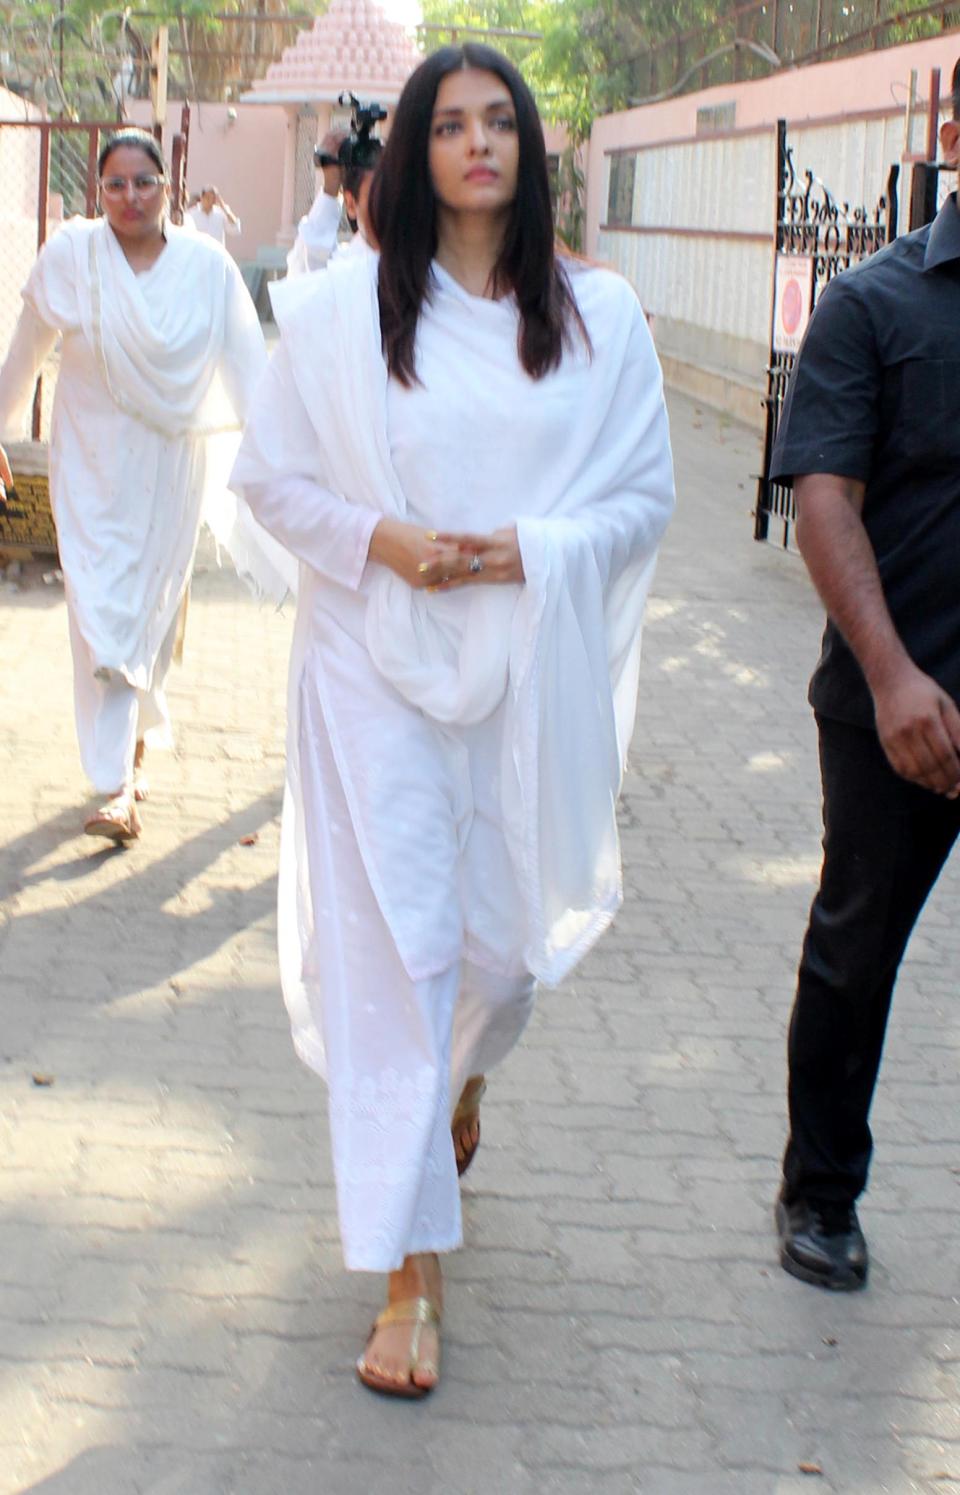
(584, 63)
(70, 54)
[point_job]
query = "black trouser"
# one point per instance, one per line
(885, 841)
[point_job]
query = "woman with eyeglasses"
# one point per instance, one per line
(160, 348)
(475, 476)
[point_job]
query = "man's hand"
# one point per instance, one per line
(917, 722)
(226, 208)
(919, 729)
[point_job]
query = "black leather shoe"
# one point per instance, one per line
(822, 1244)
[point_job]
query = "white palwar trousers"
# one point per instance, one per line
(112, 715)
(398, 1051)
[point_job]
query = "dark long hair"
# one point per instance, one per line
(403, 212)
(140, 140)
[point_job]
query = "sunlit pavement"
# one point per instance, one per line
(174, 1319)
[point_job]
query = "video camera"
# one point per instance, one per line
(361, 148)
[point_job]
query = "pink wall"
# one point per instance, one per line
(243, 157)
(852, 85)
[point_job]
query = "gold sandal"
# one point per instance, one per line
(467, 1112)
(116, 821)
(419, 1312)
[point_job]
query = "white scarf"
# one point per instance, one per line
(565, 646)
(158, 360)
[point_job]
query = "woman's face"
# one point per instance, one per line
(133, 194)
(474, 149)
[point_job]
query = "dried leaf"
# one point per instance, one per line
(42, 1079)
(249, 840)
(807, 1468)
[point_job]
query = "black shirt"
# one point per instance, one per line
(875, 395)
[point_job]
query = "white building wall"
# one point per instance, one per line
(699, 247)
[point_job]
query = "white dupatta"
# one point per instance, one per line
(158, 360)
(178, 350)
(563, 648)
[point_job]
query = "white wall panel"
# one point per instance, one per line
(712, 295)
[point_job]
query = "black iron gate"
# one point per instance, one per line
(812, 226)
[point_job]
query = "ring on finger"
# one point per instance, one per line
(476, 564)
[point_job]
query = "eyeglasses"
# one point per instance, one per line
(116, 186)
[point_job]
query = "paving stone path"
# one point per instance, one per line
(174, 1319)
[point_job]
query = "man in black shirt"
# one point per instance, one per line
(870, 437)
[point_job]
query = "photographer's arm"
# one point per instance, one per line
(330, 147)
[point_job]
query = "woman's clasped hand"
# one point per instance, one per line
(440, 562)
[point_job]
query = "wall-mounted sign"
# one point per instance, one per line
(792, 299)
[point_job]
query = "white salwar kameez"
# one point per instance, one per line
(453, 758)
(316, 244)
(155, 371)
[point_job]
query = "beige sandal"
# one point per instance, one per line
(419, 1312)
(116, 821)
(468, 1112)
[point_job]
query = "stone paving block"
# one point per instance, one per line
(173, 1315)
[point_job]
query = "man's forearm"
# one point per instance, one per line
(837, 551)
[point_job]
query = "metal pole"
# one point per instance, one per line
(43, 197)
(933, 117)
(90, 205)
(893, 203)
(761, 518)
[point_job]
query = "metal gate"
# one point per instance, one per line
(825, 237)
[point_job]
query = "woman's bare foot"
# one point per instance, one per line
(465, 1126)
(388, 1362)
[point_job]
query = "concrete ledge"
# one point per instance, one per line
(717, 388)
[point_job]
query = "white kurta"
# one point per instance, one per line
(316, 238)
(316, 244)
(401, 701)
(155, 372)
(215, 224)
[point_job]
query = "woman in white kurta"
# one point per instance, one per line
(160, 348)
(465, 444)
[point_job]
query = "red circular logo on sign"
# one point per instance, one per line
(791, 307)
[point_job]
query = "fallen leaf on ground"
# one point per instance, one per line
(809, 1468)
(40, 1079)
(249, 840)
